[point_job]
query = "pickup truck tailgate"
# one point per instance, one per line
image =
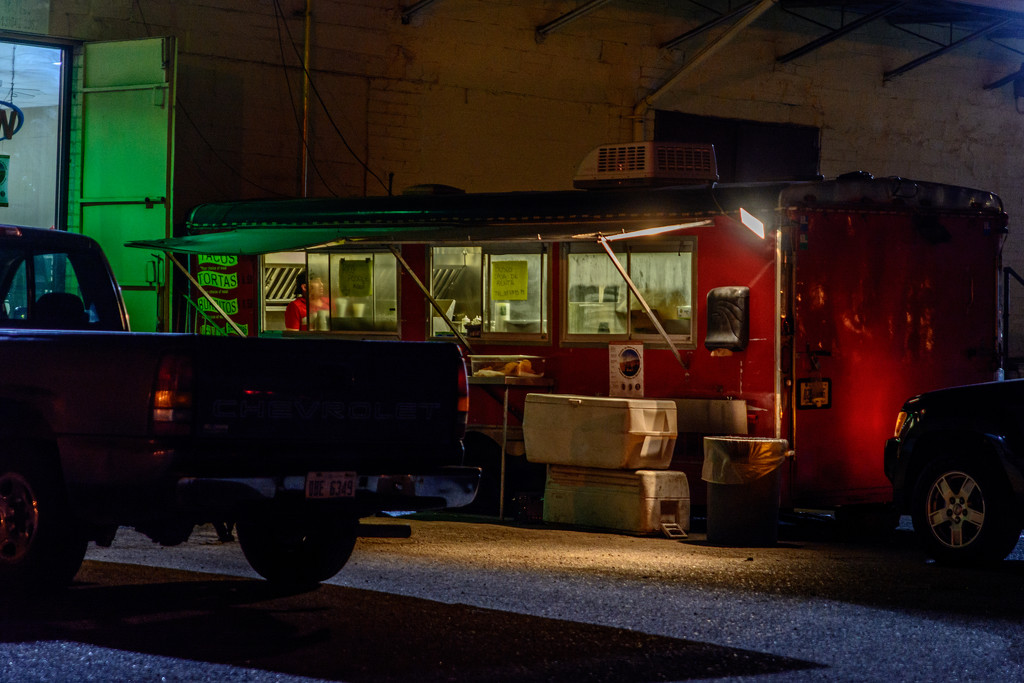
(391, 396)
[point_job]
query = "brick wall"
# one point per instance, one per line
(464, 94)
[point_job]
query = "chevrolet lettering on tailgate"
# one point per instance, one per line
(275, 409)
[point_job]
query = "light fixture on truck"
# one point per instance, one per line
(755, 226)
(172, 395)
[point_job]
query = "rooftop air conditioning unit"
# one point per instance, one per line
(647, 164)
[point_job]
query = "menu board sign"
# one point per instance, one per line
(229, 281)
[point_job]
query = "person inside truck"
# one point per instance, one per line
(310, 304)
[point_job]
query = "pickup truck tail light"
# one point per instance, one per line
(463, 401)
(172, 395)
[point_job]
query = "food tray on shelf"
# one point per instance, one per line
(507, 366)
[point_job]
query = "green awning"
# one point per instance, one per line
(253, 227)
(247, 241)
(256, 241)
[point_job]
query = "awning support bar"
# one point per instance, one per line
(603, 241)
(213, 302)
(426, 293)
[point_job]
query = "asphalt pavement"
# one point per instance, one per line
(475, 599)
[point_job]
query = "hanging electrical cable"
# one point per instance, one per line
(180, 106)
(14, 52)
(295, 112)
(323, 104)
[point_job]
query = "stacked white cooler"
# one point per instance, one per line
(608, 462)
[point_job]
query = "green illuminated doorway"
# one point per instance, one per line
(126, 149)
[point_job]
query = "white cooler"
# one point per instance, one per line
(590, 431)
(640, 502)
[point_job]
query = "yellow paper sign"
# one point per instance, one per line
(508, 280)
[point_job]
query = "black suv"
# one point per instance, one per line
(956, 464)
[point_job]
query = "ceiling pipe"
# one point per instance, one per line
(640, 111)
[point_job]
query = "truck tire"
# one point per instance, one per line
(297, 551)
(963, 512)
(41, 546)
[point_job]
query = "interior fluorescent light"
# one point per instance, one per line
(756, 226)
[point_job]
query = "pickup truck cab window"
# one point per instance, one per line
(55, 290)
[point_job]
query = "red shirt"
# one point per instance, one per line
(296, 315)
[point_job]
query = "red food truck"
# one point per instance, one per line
(806, 310)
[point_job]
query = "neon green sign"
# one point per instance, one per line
(218, 260)
(209, 278)
(230, 306)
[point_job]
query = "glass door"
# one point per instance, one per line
(31, 133)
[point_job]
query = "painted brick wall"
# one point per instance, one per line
(465, 94)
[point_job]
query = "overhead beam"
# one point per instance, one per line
(1015, 76)
(720, 19)
(581, 11)
(840, 32)
(642, 107)
(889, 75)
(413, 9)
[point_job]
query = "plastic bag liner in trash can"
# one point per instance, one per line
(744, 482)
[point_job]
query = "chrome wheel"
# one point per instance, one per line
(19, 517)
(41, 543)
(955, 509)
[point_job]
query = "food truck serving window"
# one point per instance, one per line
(492, 292)
(351, 291)
(362, 288)
(599, 305)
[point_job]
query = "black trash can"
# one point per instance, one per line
(744, 477)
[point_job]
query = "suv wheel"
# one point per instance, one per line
(963, 513)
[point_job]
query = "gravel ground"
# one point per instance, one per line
(867, 611)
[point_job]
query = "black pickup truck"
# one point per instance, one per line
(956, 463)
(293, 439)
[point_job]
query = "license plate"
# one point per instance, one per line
(330, 485)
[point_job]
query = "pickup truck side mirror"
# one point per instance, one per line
(728, 318)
